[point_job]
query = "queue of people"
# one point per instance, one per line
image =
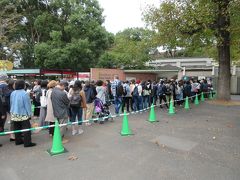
(76, 101)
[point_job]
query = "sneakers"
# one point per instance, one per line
(88, 124)
(75, 132)
(80, 131)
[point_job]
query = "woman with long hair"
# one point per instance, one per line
(77, 103)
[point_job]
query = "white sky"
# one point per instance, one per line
(121, 14)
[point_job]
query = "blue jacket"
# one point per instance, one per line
(20, 103)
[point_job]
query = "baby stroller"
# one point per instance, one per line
(102, 111)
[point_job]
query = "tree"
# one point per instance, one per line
(9, 19)
(60, 33)
(79, 41)
(199, 23)
(129, 51)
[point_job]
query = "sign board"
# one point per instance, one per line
(107, 74)
(83, 76)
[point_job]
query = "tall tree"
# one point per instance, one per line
(60, 33)
(130, 50)
(202, 23)
(9, 20)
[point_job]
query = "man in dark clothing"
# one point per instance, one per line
(1, 112)
(90, 94)
(204, 88)
(187, 89)
(154, 95)
(161, 91)
(5, 98)
(60, 104)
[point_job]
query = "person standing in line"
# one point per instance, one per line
(146, 94)
(90, 97)
(50, 116)
(195, 89)
(77, 103)
(108, 93)
(60, 104)
(173, 90)
(43, 103)
(161, 91)
(179, 93)
(204, 87)
(101, 91)
(140, 98)
(135, 95)
(1, 112)
(187, 89)
(21, 114)
(154, 92)
(127, 96)
(169, 92)
(132, 86)
(5, 98)
(11, 89)
(36, 98)
(116, 89)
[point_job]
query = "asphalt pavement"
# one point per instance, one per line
(202, 143)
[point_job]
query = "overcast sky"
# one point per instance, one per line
(121, 14)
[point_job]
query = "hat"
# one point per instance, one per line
(138, 81)
(3, 77)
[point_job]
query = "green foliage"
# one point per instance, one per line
(130, 50)
(193, 25)
(9, 19)
(59, 33)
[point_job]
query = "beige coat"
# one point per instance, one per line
(49, 116)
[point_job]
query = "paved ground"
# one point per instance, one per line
(201, 144)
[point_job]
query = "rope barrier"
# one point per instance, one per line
(92, 120)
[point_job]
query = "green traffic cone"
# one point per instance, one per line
(214, 94)
(196, 101)
(186, 106)
(152, 115)
(202, 97)
(126, 131)
(57, 146)
(171, 108)
(33, 108)
(210, 95)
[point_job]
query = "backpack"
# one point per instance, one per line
(160, 90)
(43, 98)
(5, 97)
(119, 90)
(75, 100)
(135, 91)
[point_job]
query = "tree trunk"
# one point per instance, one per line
(224, 77)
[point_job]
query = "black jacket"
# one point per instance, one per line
(90, 94)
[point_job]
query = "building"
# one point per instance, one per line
(191, 67)
(41, 73)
